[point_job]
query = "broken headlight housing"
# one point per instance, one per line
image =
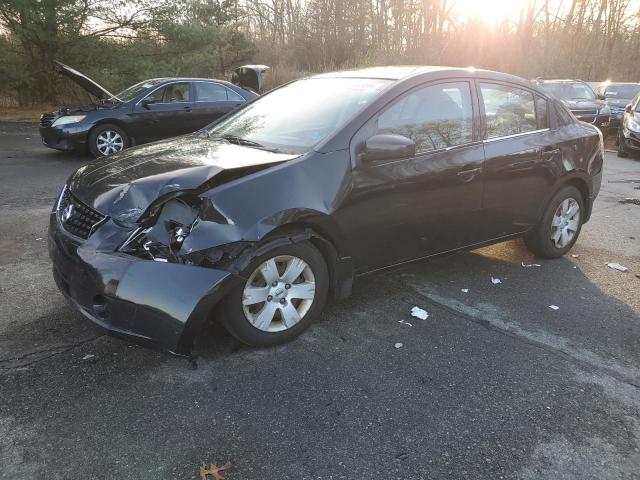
(164, 229)
(161, 235)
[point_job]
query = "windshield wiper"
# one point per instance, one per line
(241, 141)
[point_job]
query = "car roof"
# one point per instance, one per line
(559, 80)
(403, 72)
(158, 81)
(620, 83)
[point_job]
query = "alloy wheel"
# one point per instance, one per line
(109, 142)
(565, 223)
(279, 293)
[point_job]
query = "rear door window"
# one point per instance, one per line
(434, 117)
(509, 110)
(210, 92)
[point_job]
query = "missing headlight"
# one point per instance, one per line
(161, 241)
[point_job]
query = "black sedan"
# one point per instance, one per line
(259, 218)
(618, 96)
(583, 102)
(151, 110)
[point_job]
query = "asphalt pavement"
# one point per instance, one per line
(494, 384)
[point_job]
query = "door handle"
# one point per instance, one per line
(468, 173)
(549, 152)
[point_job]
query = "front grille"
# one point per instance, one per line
(46, 119)
(77, 218)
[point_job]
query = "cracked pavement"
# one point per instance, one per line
(494, 384)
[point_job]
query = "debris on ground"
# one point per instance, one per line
(495, 280)
(405, 323)
(554, 307)
(213, 472)
(39, 238)
(531, 264)
(419, 313)
(575, 255)
(398, 345)
(464, 290)
(88, 356)
(617, 266)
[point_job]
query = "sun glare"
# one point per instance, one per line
(491, 12)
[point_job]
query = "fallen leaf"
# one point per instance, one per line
(214, 470)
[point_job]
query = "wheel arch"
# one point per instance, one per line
(339, 263)
(583, 187)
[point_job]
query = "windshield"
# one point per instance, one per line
(622, 91)
(135, 90)
(570, 91)
(298, 116)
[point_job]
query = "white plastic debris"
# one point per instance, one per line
(39, 238)
(617, 266)
(398, 345)
(531, 264)
(464, 290)
(405, 323)
(419, 313)
(575, 255)
(88, 356)
(554, 307)
(495, 280)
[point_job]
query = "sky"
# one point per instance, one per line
(492, 12)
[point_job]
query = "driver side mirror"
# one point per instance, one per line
(388, 147)
(601, 96)
(148, 101)
(628, 109)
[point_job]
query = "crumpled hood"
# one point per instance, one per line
(122, 186)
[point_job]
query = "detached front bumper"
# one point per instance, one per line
(66, 137)
(159, 304)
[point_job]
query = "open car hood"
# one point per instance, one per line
(123, 186)
(84, 82)
(250, 77)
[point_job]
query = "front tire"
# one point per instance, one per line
(560, 226)
(285, 291)
(107, 139)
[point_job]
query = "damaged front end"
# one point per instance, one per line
(165, 234)
(150, 257)
(152, 293)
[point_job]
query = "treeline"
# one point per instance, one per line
(119, 42)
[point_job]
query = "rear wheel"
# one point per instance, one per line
(107, 139)
(285, 290)
(560, 226)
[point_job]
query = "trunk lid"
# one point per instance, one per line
(249, 77)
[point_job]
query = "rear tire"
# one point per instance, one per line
(560, 225)
(107, 139)
(263, 313)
